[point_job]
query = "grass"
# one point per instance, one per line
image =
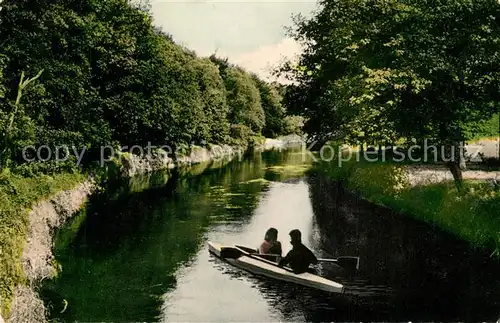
(471, 215)
(486, 130)
(18, 194)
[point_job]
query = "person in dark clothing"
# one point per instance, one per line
(300, 257)
(271, 245)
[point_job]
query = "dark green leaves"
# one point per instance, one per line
(110, 77)
(380, 69)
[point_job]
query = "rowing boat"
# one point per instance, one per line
(247, 259)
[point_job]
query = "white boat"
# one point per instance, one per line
(246, 258)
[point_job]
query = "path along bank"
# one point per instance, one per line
(32, 208)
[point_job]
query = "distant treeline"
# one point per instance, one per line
(108, 76)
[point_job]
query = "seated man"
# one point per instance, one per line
(300, 257)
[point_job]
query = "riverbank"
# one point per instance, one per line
(32, 208)
(428, 194)
(130, 256)
(424, 273)
(37, 259)
(17, 196)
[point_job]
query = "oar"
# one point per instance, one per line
(346, 262)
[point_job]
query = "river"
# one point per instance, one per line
(138, 253)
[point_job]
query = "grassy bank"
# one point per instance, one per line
(472, 215)
(485, 130)
(17, 196)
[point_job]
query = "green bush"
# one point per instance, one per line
(240, 134)
(293, 125)
(487, 129)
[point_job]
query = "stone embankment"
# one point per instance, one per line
(37, 258)
(132, 165)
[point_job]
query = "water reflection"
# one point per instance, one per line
(214, 291)
(410, 270)
(138, 236)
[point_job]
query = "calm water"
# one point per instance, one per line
(139, 254)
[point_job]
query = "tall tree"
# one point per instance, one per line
(405, 67)
(111, 77)
(244, 100)
(273, 109)
(215, 126)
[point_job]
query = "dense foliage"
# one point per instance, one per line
(375, 71)
(482, 130)
(91, 74)
(109, 77)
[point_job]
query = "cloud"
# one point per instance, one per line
(266, 58)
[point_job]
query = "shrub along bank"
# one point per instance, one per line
(472, 214)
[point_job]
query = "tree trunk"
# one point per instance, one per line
(174, 154)
(454, 167)
(454, 161)
(361, 153)
(462, 161)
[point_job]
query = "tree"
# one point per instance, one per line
(214, 98)
(270, 99)
(17, 129)
(112, 78)
(381, 68)
(244, 100)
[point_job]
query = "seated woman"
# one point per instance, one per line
(271, 245)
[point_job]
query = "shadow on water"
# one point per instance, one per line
(120, 255)
(410, 270)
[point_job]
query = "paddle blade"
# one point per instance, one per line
(230, 253)
(348, 262)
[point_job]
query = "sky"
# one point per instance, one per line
(250, 33)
